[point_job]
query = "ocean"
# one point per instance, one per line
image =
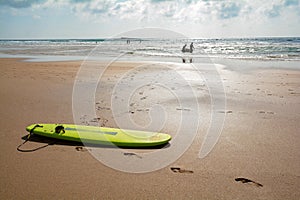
(262, 49)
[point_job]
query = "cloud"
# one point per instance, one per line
(275, 9)
(291, 2)
(206, 18)
(20, 3)
(195, 11)
(105, 9)
(229, 10)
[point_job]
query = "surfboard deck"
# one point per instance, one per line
(100, 135)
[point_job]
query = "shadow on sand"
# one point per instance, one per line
(78, 145)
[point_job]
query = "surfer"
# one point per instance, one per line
(183, 48)
(191, 47)
(190, 50)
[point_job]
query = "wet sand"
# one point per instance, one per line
(256, 157)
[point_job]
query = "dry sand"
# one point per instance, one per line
(259, 142)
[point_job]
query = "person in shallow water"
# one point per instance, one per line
(191, 47)
(184, 48)
(190, 50)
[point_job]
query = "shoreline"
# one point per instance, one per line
(259, 139)
(229, 64)
(232, 64)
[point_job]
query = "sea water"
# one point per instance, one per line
(261, 49)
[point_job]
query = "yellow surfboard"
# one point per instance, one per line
(100, 135)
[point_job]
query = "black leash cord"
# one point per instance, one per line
(29, 135)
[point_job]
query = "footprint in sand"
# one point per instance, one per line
(179, 170)
(227, 112)
(245, 180)
(183, 109)
(82, 149)
(132, 154)
(102, 108)
(143, 98)
(266, 112)
(95, 120)
(101, 121)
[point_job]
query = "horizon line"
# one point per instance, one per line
(141, 38)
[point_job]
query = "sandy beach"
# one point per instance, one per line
(257, 155)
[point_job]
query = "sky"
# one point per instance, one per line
(58, 19)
